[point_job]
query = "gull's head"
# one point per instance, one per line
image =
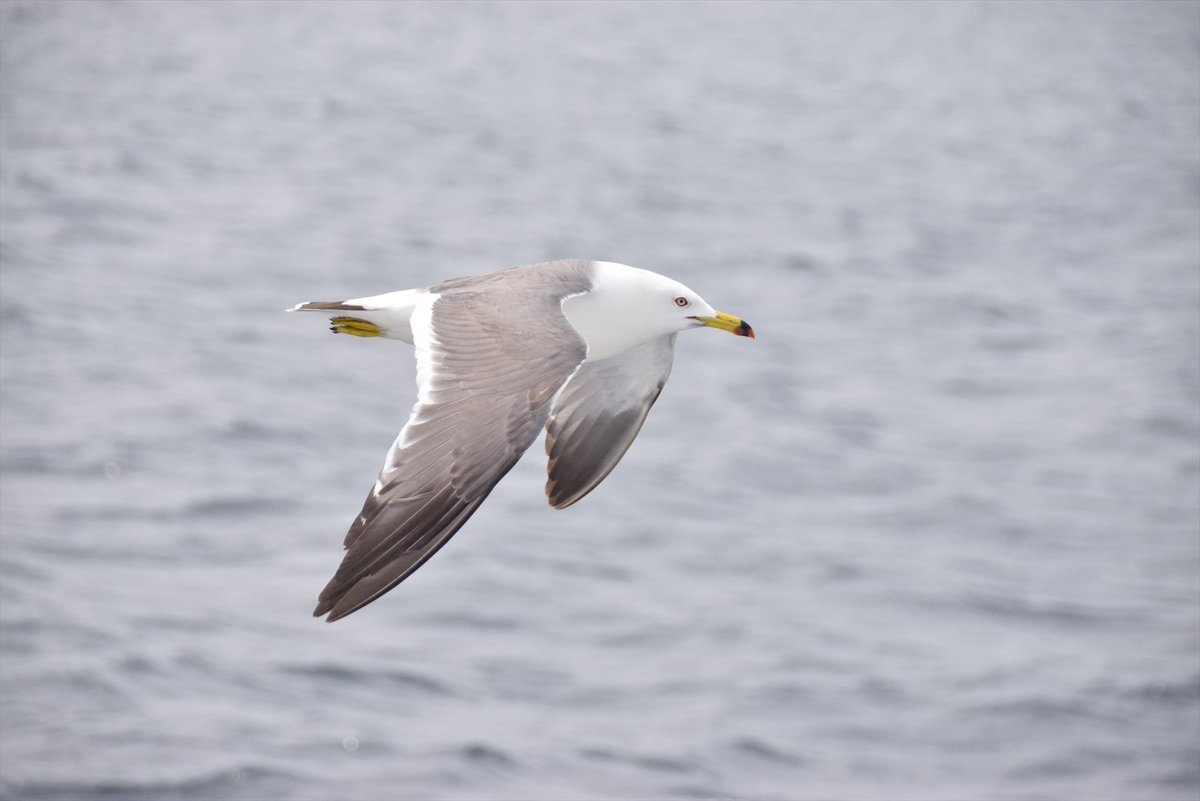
(668, 306)
(629, 305)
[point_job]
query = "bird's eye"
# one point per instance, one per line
(682, 302)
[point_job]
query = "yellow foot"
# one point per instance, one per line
(354, 326)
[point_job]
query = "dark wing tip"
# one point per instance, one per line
(352, 588)
(557, 499)
(325, 605)
(332, 612)
(338, 599)
(585, 457)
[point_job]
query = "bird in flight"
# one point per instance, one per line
(580, 348)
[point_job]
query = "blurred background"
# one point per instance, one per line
(935, 535)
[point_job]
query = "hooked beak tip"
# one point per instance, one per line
(727, 322)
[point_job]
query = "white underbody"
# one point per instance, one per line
(392, 311)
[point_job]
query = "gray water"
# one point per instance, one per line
(935, 535)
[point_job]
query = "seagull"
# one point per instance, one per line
(579, 348)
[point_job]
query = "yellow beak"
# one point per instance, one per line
(727, 322)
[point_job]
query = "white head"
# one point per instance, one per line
(628, 306)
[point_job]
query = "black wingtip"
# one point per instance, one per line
(323, 608)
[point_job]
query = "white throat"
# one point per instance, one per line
(616, 314)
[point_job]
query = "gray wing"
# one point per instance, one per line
(598, 414)
(485, 390)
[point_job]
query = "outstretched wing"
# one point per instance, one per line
(484, 392)
(598, 414)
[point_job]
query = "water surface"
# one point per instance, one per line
(933, 536)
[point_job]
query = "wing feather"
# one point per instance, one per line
(485, 389)
(599, 413)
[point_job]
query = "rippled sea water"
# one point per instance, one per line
(935, 535)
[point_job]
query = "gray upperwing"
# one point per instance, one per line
(599, 413)
(485, 392)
